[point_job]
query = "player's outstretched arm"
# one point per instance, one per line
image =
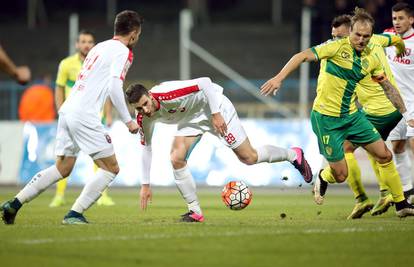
(116, 94)
(394, 96)
(146, 193)
(274, 84)
(21, 74)
(214, 97)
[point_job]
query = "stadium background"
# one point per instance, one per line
(255, 39)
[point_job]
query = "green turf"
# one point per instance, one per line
(123, 235)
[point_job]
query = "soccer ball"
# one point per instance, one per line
(236, 195)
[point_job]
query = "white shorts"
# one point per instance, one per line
(401, 132)
(74, 134)
(235, 131)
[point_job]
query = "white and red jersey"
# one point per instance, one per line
(106, 60)
(403, 67)
(178, 102)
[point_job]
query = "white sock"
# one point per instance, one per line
(93, 190)
(402, 162)
(186, 185)
(39, 183)
(271, 154)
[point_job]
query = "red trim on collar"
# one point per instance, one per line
(176, 93)
(157, 101)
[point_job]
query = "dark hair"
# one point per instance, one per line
(405, 7)
(362, 16)
(86, 32)
(126, 22)
(135, 92)
(341, 20)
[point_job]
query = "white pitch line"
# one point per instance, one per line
(202, 234)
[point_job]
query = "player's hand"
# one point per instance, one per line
(219, 124)
(145, 196)
(411, 123)
(271, 86)
(132, 127)
(23, 74)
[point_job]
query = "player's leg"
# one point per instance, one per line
(66, 151)
(237, 140)
(105, 199)
(389, 174)
(92, 139)
(363, 204)
(385, 201)
(107, 170)
(39, 182)
(59, 198)
(180, 152)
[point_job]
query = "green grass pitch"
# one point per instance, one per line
(123, 235)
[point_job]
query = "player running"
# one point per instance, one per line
(79, 125)
(197, 106)
(376, 107)
(335, 117)
(69, 69)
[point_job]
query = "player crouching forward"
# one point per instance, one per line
(197, 106)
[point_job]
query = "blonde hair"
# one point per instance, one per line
(361, 15)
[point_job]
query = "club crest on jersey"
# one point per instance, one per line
(345, 55)
(108, 138)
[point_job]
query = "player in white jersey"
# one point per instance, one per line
(403, 70)
(79, 124)
(197, 106)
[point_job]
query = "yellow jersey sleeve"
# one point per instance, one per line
(386, 40)
(325, 50)
(62, 75)
(377, 71)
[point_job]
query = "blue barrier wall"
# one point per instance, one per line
(211, 162)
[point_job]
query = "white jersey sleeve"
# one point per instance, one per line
(121, 63)
(403, 68)
(146, 129)
(105, 61)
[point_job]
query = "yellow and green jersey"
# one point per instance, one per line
(370, 94)
(340, 74)
(69, 69)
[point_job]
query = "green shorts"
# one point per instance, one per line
(333, 131)
(385, 124)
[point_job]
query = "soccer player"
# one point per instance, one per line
(403, 69)
(20, 73)
(377, 109)
(335, 117)
(79, 125)
(69, 69)
(197, 106)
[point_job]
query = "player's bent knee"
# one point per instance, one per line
(177, 162)
(247, 159)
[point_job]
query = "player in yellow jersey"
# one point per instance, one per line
(69, 69)
(335, 116)
(378, 110)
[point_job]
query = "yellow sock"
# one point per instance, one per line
(389, 174)
(327, 175)
(61, 187)
(354, 177)
(105, 193)
(374, 165)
